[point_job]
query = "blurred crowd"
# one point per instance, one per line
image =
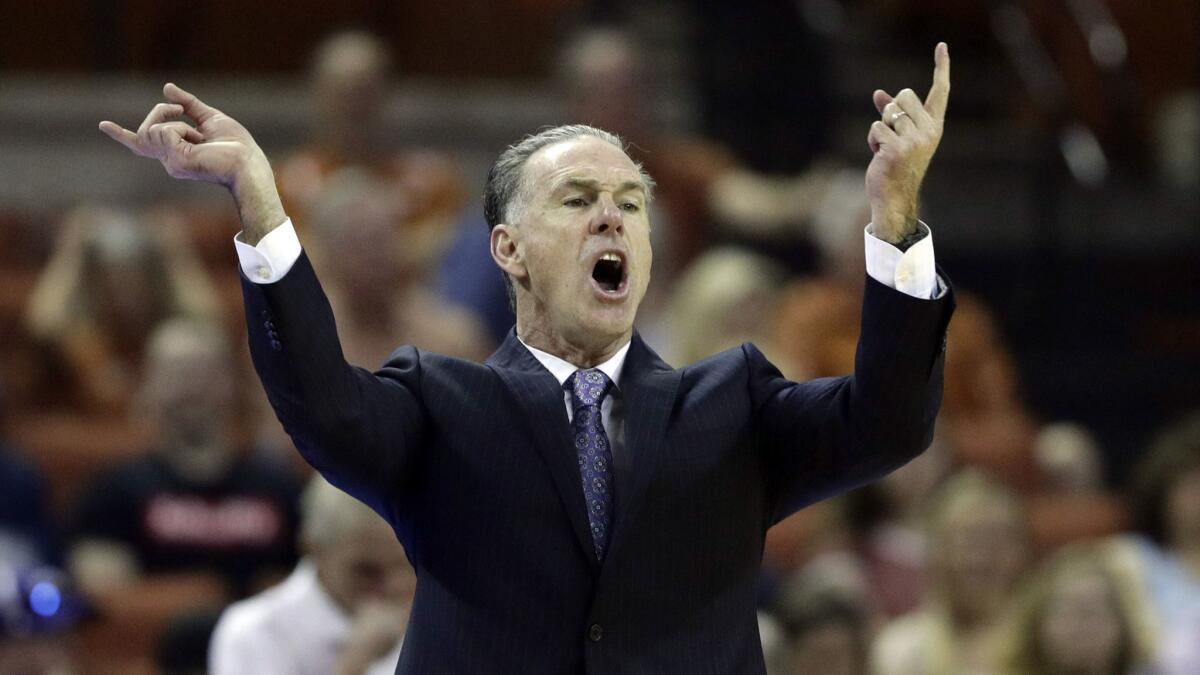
(154, 517)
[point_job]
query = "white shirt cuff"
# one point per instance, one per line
(272, 257)
(912, 272)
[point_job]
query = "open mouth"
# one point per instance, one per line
(609, 273)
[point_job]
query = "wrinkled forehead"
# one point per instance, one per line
(586, 158)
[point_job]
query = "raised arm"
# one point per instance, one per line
(361, 431)
(830, 435)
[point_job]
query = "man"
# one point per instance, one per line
(342, 611)
(574, 504)
(198, 502)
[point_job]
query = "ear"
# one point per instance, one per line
(506, 252)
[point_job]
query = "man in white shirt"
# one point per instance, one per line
(342, 611)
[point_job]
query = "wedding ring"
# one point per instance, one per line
(896, 117)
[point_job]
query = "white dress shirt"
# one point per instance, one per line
(293, 628)
(612, 415)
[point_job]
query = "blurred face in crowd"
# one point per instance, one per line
(581, 246)
(349, 80)
(127, 276)
(363, 565)
(189, 395)
(1183, 510)
(603, 84)
(362, 254)
(1080, 628)
(832, 648)
(979, 553)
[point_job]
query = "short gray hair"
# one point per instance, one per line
(503, 195)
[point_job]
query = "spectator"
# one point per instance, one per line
(343, 610)
(350, 80)
(979, 548)
(375, 283)
(1166, 554)
(110, 281)
(724, 298)
(1080, 615)
(197, 502)
(826, 632)
(1069, 459)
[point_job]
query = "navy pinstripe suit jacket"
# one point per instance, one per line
(473, 467)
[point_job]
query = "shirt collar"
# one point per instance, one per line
(561, 369)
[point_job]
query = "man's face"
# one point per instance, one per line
(582, 243)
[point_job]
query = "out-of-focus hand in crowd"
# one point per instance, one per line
(903, 143)
(213, 148)
(377, 628)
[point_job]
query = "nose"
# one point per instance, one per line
(609, 219)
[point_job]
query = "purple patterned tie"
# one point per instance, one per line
(588, 389)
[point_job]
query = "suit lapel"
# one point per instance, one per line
(649, 386)
(540, 399)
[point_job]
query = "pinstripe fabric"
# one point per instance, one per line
(472, 466)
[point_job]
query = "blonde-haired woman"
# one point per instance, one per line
(1082, 614)
(113, 277)
(978, 551)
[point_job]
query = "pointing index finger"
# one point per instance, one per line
(939, 93)
(192, 106)
(121, 135)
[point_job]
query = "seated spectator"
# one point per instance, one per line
(1081, 615)
(343, 610)
(110, 281)
(350, 80)
(197, 501)
(826, 632)
(724, 298)
(375, 283)
(978, 551)
(1166, 553)
(1069, 459)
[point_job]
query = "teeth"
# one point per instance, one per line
(611, 257)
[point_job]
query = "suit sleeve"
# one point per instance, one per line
(361, 430)
(830, 435)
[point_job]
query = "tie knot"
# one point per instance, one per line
(587, 387)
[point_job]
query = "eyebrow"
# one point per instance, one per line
(593, 184)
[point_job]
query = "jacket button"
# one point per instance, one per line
(595, 632)
(276, 345)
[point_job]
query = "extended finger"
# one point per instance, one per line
(194, 107)
(121, 135)
(908, 101)
(939, 92)
(160, 113)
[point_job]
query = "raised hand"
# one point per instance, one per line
(216, 150)
(903, 142)
(213, 151)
